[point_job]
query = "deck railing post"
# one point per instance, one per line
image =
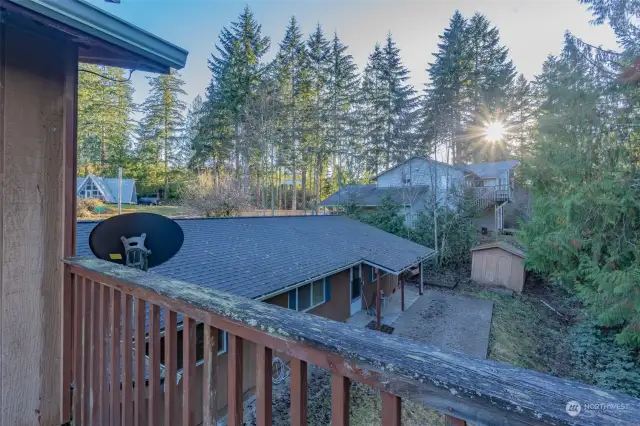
(298, 393)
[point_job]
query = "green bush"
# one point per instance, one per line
(384, 217)
(599, 360)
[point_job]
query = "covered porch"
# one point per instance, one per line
(391, 309)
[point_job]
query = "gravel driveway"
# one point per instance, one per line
(449, 321)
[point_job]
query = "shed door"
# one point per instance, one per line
(489, 268)
(504, 271)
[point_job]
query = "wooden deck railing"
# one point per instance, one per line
(108, 322)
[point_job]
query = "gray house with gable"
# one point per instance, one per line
(419, 181)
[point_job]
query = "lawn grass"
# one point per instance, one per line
(164, 210)
(168, 210)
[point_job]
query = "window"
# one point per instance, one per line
(90, 190)
(309, 295)
(373, 274)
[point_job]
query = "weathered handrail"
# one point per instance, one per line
(478, 391)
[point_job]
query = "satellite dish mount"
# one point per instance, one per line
(138, 240)
(136, 255)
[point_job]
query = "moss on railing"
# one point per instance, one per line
(479, 391)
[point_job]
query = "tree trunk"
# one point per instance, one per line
(318, 166)
(236, 148)
(166, 158)
(294, 189)
(304, 188)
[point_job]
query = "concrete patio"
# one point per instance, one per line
(459, 323)
(391, 310)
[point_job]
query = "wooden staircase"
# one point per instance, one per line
(497, 196)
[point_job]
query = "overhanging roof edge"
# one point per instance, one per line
(89, 19)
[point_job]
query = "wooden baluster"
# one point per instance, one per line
(85, 416)
(210, 382)
(67, 345)
(453, 421)
(264, 388)
(188, 370)
(170, 365)
(154, 365)
(78, 312)
(339, 400)
(114, 366)
(391, 409)
(127, 362)
(139, 384)
(235, 385)
(103, 356)
(298, 393)
(94, 401)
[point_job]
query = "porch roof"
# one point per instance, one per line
(103, 38)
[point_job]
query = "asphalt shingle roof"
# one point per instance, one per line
(371, 195)
(255, 256)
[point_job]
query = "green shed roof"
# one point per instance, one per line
(104, 38)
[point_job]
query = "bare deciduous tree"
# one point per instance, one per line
(223, 197)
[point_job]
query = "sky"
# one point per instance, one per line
(531, 29)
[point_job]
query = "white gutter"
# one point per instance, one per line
(89, 19)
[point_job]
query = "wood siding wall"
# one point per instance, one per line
(498, 267)
(37, 95)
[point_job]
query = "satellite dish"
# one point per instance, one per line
(139, 240)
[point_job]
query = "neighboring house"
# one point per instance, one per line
(410, 185)
(106, 189)
(322, 265)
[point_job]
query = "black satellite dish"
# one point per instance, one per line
(140, 240)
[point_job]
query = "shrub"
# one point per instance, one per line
(599, 360)
(223, 198)
(85, 207)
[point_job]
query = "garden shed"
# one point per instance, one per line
(498, 263)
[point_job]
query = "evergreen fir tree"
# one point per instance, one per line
(400, 106)
(342, 87)
(319, 53)
(236, 72)
(443, 101)
(105, 126)
(162, 126)
(373, 111)
(391, 107)
(295, 91)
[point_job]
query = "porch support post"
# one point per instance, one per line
(421, 280)
(402, 291)
(378, 301)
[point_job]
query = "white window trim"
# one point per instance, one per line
(323, 282)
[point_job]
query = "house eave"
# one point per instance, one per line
(103, 38)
